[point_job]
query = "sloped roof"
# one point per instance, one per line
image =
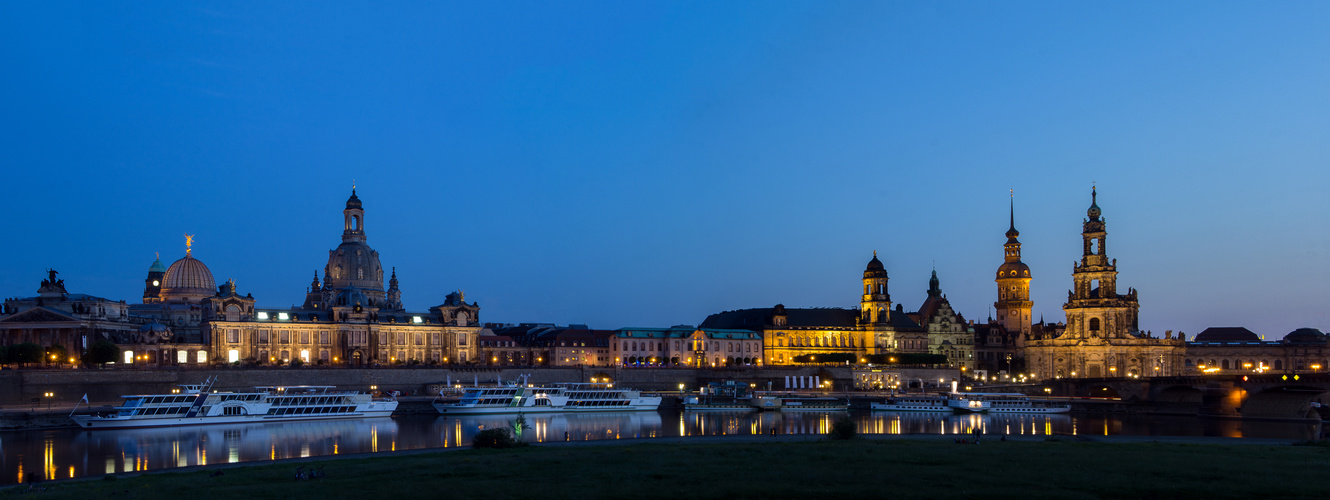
(749, 319)
(1227, 334)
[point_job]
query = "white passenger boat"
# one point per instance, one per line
(513, 399)
(195, 405)
(913, 403)
(799, 403)
(991, 402)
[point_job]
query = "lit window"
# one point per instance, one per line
(263, 315)
(417, 319)
(283, 316)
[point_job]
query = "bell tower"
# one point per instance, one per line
(1094, 308)
(354, 226)
(1013, 279)
(875, 305)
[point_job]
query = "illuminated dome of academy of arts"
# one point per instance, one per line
(188, 280)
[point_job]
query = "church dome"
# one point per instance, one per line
(1019, 268)
(353, 201)
(157, 266)
(1305, 336)
(188, 280)
(875, 268)
(1093, 212)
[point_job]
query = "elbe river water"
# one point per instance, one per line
(66, 453)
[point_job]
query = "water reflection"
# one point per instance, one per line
(64, 453)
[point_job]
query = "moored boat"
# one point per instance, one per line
(991, 402)
(913, 403)
(799, 403)
(195, 405)
(513, 399)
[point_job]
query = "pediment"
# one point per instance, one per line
(39, 315)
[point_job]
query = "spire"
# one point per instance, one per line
(934, 288)
(1094, 211)
(392, 283)
(314, 287)
(1012, 233)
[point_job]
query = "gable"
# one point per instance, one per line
(39, 315)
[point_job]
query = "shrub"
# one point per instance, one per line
(102, 352)
(26, 352)
(493, 438)
(843, 429)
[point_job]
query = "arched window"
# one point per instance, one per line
(1225, 364)
(1094, 324)
(1279, 364)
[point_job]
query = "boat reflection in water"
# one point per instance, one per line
(65, 453)
(126, 450)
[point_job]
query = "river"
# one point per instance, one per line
(66, 453)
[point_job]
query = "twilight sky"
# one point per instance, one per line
(650, 163)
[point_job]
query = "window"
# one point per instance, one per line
(286, 356)
(304, 355)
(304, 337)
(420, 339)
(1094, 324)
(129, 357)
(203, 357)
(383, 338)
(434, 339)
(401, 338)
(182, 357)
(461, 340)
(286, 337)
(323, 337)
(263, 336)
(233, 355)
(233, 336)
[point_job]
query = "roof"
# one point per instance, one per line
(1227, 334)
(683, 331)
(761, 317)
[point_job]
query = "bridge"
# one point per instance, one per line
(1268, 395)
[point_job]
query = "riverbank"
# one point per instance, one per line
(765, 467)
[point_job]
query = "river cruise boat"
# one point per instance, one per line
(913, 403)
(799, 403)
(991, 402)
(513, 399)
(195, 405)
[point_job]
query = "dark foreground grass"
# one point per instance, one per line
(843, 469)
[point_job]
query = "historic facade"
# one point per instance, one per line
(874, 328)
(348, 319)
(1101, 338)
(64, 322)
(948, 333)
(1236, 350)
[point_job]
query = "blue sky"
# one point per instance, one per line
(649, 163)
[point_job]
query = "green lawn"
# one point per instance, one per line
(864, 468)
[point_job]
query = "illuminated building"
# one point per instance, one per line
(56, 317)
(685, 345)
(349, 318)
(1101, 338)
(790, 333)
(1236, 350)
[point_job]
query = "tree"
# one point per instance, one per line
(102, 352)
(56, 354)
(26, 352)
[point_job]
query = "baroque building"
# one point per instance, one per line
(1101, 338)
(57, 319)
(874, 328)
(349, 318)
(948, 333)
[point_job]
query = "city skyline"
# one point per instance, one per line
(650, 165)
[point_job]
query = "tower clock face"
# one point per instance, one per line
(156, 283)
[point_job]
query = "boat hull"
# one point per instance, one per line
(532, 410)
(91, 422)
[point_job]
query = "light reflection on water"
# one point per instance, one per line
(64, 453)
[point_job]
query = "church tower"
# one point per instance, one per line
(1094, 308)
(353, 264)
(875, 306)
(152, 286)
(1013, 279)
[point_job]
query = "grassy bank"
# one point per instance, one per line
(846, 469)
